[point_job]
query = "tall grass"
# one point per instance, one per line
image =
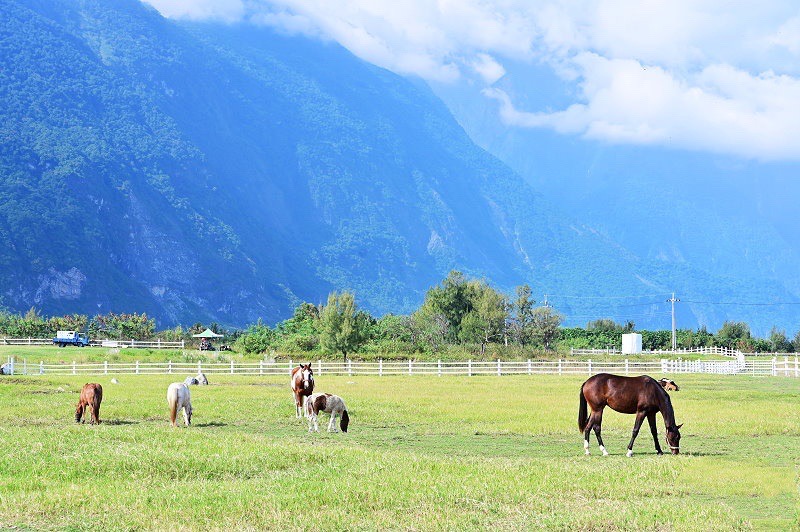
(422, 453)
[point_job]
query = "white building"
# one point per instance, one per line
(631, 344)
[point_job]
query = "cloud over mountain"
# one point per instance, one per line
(689, 75)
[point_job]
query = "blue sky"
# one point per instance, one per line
(706, 76)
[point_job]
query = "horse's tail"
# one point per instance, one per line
(172, 399)
(583, 414)
(345, 421)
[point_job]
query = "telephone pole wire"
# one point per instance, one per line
(673, 300)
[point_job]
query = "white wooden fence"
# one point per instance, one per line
(149, 344)
(785, 366)
(676, 352)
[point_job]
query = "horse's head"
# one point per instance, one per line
(669, 385)
(674, 438)
(307, 376)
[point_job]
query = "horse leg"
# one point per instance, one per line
(332, 423)
(597, 427)
(651, 418)
(636, 426)
(587, 431)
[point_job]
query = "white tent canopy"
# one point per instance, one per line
(208, 333)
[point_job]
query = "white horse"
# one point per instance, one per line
(178, 396)
(331, 404)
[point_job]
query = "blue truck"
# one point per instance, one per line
(64, 338)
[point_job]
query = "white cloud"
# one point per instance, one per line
(692, 74)
(489, 69)
(225, 10)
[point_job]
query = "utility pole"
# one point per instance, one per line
(545, 304)
(673, 300)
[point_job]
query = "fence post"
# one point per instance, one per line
(199, 367)
(409, 366)
(231, 366)
(183, 344)
(261, 367)
(105, 367)
(380, 367)
(137, 367)
(530, 368)
(350, 367)
(319, 367)
(290, 366)
(590, 366)
(439, 366)
(24, 366)
(41, 366)
(169, 366)
(559, 366)
(571, 351)
(73, 367)
(786, 366)
(469, 368)
(774, 368)
(626, 366)
(796, 367)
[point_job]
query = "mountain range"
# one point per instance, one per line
(211, 172)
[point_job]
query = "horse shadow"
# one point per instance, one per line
(119, 422)
(211, 424)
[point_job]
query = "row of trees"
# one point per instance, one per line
(459, 314)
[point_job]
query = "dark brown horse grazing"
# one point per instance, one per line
(302, 386)
(91, 396)
(642, 396)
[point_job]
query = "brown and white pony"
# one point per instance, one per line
(302, 382)
(669, 385)
(331, 404)
(179, 396)
(91, 396)
(642, 396)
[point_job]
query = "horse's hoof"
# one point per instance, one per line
(605, 453)
(629, 453)
(587, 453)
(659, 453)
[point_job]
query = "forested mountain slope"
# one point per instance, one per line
(202, 172)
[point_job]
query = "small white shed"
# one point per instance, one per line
(631, 344)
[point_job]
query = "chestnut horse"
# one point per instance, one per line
(642, 396)
(302, 383)
(91, 396)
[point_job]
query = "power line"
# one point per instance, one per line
(743, 303)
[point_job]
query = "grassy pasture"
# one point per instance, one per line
(48, 354)
(423, 453)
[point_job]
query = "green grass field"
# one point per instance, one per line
(422, 453)
(34, 354)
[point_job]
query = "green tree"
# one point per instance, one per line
(778, 342)
(342, 327)
(487, 319)
(733, 335)
(545, 326)
(452, 300)
(522, 316)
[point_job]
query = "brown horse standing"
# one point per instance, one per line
(302, 386)
(91, 396)
(642, 396)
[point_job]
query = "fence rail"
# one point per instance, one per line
(672, 352)
(149, 344)
(785, 366)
